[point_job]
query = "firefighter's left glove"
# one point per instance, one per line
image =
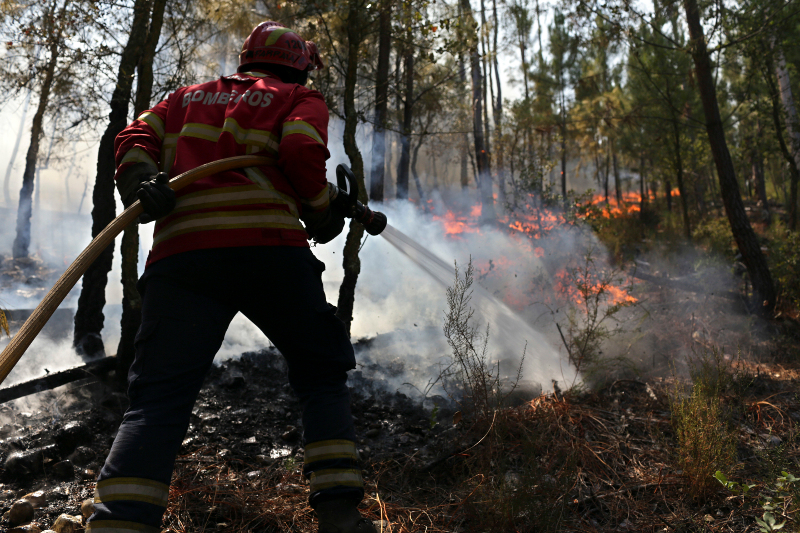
(157, 199)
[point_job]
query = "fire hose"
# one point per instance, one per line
(373, 221)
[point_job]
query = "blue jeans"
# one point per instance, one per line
(188, 301)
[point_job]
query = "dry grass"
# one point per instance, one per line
(595, 463)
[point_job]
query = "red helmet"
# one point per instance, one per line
(271, 42)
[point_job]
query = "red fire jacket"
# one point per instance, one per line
(247, 113)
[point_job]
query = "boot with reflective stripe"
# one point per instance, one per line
(342, 516)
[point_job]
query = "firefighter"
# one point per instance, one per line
(233, 242)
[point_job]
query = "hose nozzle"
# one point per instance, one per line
(374, 222)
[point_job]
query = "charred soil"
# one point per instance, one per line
(600, 461)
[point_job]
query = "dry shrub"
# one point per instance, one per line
(521, 473)
(471, 370)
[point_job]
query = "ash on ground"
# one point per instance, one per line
(246, 415)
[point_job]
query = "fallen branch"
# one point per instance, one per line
(685, 286)
(56, 379)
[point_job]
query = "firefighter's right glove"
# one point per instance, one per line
(157, 199)
(129, 181)
(325, 227)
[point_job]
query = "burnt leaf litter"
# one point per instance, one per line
(598, 461)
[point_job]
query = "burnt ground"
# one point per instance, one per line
(245, 427)
(598, 461)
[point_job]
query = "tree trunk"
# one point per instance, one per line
(405, 138)
(351, 261)
(376, 192)
(129, 248)
(743, 233)
(23, 239)
(668, 193)
(792, 126)
(89, 315)
(498, 113)
(794, 171)
(563, 149)
(687, 230)
(760, 183)
(757, 164)
(462, 72)
(617, 184)
(642, 188)
(481, 155)
(7, 181)
(488, 76)
(414, 172)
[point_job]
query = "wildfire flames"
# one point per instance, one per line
(572, 282)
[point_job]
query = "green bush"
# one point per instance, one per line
(784, 262)
(715, 234)
(705, 442)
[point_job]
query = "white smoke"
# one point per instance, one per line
(397, 303)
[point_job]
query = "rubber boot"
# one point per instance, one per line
(342, 516)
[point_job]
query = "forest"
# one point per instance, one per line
(584, 314)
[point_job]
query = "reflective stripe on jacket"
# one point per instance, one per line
(246, 113)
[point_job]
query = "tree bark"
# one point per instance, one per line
(376, 192)
(7, 181)
(414, 172)
(743, 233)
(129, 248)
(757, 165)
(563, 147)
(408, 107)
(794, 171)
(605, 179)
(676, 137)
(642, 188)
(481, 155)
(498, 113)
(668, 193)
(617, 184)
(351, 261)
(22, 240)
(462, 73)
(89, 316)
(792, 126)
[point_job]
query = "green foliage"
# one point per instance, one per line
(779, 498)
(715, 234)
(705, 442)
(620, 233)
(784, 262)
(432, 420)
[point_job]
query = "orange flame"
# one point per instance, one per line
(536, 223)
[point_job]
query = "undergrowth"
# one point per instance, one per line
(701, 422)
(595, 296)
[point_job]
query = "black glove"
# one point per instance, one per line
(129, 181)
(156, 197)
(325, 228)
